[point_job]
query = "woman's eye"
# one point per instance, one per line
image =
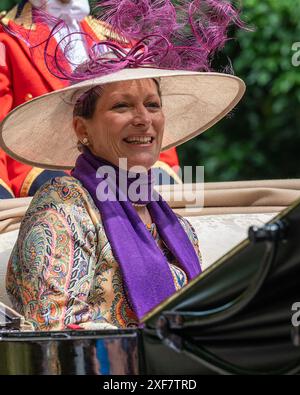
(120, 105)
(126, 105)
(153, 105)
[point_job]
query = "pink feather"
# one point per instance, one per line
(162, 34)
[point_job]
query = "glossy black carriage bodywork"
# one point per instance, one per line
(236, 318)
(71, 353)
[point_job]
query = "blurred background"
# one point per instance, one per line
(261, 138)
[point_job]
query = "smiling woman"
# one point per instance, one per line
(98, 259)
(122, 120)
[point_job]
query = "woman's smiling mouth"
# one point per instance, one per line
(139, 140)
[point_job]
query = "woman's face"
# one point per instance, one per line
(128, 123)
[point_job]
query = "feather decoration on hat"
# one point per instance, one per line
(195, 29)
(181, 35)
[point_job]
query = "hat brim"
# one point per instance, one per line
(40, 132)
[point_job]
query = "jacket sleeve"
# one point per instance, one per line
(52, 265)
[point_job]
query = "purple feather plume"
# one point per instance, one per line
(196, 29)
(158, 33)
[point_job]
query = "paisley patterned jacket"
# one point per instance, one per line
(62, 270)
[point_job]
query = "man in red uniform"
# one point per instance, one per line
(24, 75)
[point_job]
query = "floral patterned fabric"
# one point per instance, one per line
(62, 270)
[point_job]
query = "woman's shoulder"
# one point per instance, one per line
(192, 235)
(188, 227)
(62, 200)
(64, 189)
(184, 221)
(61, 192)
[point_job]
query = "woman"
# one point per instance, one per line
(101, 247)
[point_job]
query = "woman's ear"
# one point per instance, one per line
(80, 127)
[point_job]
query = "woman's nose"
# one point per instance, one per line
(141, 117)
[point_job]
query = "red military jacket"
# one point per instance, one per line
(23, 76)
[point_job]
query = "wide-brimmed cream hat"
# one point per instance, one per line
(40, 132)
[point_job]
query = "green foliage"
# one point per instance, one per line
(261, 138)
(7, 4)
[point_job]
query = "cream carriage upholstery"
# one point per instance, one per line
(229, 209)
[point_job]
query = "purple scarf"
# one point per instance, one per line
(147, 277)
